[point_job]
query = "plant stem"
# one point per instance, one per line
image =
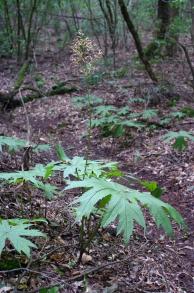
(89, 131)
(81, 241)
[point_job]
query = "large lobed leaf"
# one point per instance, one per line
(15, 144)
(180, 138)
(80, 168)
(15, 231)
(122, 203)
(34, 176)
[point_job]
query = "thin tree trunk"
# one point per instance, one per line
(137, 41)
(171, 46)
(8, 23)
(28, 40)
(18, 31)
(163, 18)
(92, 22)
(192, 20)
(74, 15)
(110, 14)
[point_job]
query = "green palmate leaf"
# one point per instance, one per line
(180, 138)
(123, 111)
(123, 204)
(12, 143)
(34, 176)
(180, 143)
(80, 168)
(117, 130)
(104, 110)
(31, 175)
(15, 144)
(130, 123)
(108, 121)
(41, 147)
(165, 121)
(149, 113)
(16, 231)
(84, 101)
(177, 115)
(136, 100)
(48, 189)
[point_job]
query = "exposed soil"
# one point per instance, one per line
(151, 262)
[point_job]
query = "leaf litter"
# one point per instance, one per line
(151, 262)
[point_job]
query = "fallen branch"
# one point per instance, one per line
(8, 101)
(6, 98)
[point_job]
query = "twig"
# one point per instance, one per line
(71, 279)
(22, 269)
(86, 272)
(96, 269)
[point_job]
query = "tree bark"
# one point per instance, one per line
(192, 20)
(137, 41)
(8, 23)
(163, 18)
(29, 36)
(109, 10)
(167, 12)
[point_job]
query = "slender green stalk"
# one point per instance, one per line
(89, 135)
(85, 53)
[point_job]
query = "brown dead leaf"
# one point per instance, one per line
(86, 258)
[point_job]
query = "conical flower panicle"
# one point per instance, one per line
(85, 53)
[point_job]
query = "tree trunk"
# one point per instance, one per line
(109, 10)
(29, 33)
(165, 40)
(163, 18)
(192, 20)
(137, 41)
(8, 24)
(173, 36)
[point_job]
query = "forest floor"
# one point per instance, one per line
(149, 263)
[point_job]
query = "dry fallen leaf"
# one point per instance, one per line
(86, 258)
